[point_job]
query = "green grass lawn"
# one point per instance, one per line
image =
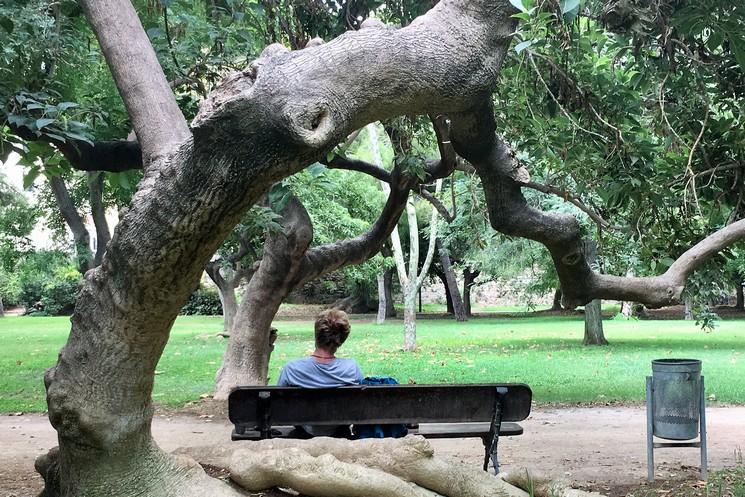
(544, 352)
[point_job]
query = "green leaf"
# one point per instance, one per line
(66, 105)
(518, 4)
(30, 177)
(40, 123)
(738, 50)
(569, 5)
(6, 24)
(523, 45)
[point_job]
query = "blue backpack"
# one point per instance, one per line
(380, 431)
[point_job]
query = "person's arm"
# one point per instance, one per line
(283, 381)
(358, 373)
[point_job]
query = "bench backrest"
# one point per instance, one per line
(379, 404)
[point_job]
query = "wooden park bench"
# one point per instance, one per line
(486, 411)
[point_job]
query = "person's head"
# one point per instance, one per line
(332, 329)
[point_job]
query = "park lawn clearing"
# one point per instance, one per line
(544, 352)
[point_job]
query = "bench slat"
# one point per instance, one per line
(385, 404)
(427, 430)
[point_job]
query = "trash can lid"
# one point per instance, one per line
(672, 365)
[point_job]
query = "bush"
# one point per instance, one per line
(48, 283)
(9, 289)
(203, 302)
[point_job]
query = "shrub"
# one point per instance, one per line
(47, 283)
(203, 302)
(9, 289)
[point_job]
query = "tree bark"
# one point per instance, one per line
(2, 309)
(382, 302)
(390, 308)
(98, 212)
(594, 324)
(593, 309)
(452, 286)
(740, 300)
(688, 308)
(448, 296)
(73, 220)
(556, 305)
(469, 280)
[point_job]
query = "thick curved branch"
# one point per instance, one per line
(474, 138)
(156, 118)
(339, 162)
(441, 209)
(574, 200)
(327, 258)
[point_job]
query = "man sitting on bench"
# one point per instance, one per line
(323, 369)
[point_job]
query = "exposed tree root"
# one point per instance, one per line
(543, 487)
(410, 459)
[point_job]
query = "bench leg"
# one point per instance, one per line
(490, 449)
(492, 439)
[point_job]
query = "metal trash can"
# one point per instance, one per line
(676, 398)
(675, 408)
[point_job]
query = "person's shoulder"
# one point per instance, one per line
(348, 362)
(297, 363)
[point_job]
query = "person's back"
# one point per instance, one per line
(310, 373)
(323, 369)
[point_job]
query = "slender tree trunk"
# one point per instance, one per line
(410, 293)
(594, 324)
(469, 280)
(740, 302)
(229, 307)
(556, 306)
(688, 309)
(390, 308)
(448, 296)
(74, 222)
(627, 309)
(98, 212)
(382, 302)
(452, 284)
(593, 309)
(2, 309)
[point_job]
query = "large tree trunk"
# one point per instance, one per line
(287, 264)
(740, 299)
(452, 284)
(98, 213)
(246, 360)
(469, 280)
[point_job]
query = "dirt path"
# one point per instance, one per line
(601, 445)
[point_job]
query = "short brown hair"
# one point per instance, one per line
(332, 329)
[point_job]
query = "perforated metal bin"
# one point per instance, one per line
(676, 398)
(675, 408)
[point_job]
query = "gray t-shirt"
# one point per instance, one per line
(308, 373)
